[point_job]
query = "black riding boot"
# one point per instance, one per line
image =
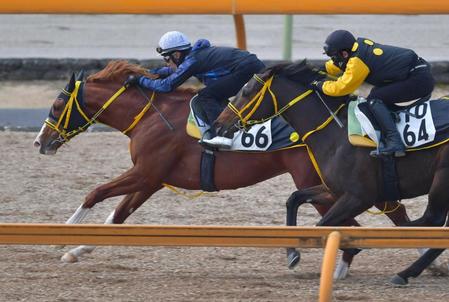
(390, 135)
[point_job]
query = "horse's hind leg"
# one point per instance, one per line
(435, 215)
(398, 216)
(395, 211)
(127, 206)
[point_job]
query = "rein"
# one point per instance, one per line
(64, 120)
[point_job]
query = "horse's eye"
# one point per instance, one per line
(58, 106)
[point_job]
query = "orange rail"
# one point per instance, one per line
(230, 236)
(233, 7)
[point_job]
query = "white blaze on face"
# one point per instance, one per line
(37, 140)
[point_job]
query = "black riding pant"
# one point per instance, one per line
(214, 98)
(419, 84)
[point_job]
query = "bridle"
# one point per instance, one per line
(244, 121)
(67, 127)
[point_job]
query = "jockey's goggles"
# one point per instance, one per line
(167, 58)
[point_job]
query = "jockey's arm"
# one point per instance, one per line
(176, 78)
(354, 76)
(162, 72)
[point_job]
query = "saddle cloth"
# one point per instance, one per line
(272, 135)
(423, 125)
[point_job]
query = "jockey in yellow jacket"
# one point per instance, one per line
(397, 74)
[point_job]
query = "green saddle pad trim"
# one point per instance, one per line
(191, 127)
(355, 133)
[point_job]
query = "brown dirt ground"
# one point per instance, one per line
(42, 189)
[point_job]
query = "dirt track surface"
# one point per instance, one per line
(40, 189)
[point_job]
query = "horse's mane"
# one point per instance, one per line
(301, 71)
(118, 71)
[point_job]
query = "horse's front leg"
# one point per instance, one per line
(129, 182)
(296, 199)
(338, 216)
(127, 206)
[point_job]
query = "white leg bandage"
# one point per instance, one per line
(78, 216)
(74, 254)
(341, 270)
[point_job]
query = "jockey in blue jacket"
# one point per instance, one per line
(223, 70)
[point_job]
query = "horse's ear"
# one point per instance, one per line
(71, 85)
(80, 76)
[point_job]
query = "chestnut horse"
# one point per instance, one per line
(348, 172)
(160, 154)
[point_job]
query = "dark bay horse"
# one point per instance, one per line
(161, 155)
(349, 173)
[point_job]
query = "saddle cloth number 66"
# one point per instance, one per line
(258, 138)
(417, 128)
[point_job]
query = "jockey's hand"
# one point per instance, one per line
(132, 80)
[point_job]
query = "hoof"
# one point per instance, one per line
(69, 258)
(293, 258)
(58, 247)
(398, 281)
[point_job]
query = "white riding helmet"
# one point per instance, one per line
(173, 41)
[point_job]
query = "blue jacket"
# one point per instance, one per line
(205, 62)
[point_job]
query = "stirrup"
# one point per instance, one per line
(377, 153)
(218, 142)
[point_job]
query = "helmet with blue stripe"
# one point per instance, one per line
(173, 41)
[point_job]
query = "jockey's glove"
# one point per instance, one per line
(132, 80)
(317, 85)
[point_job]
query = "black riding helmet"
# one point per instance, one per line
(337, 41)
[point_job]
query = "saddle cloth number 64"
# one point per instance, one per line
(417, 128)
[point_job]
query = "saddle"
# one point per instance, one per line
(272, 135)
(422, 124)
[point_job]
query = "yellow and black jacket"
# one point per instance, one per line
(370, 62)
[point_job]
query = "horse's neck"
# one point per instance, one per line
(312, 121)
(331, 143)
(122, 112)
(332, 133)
